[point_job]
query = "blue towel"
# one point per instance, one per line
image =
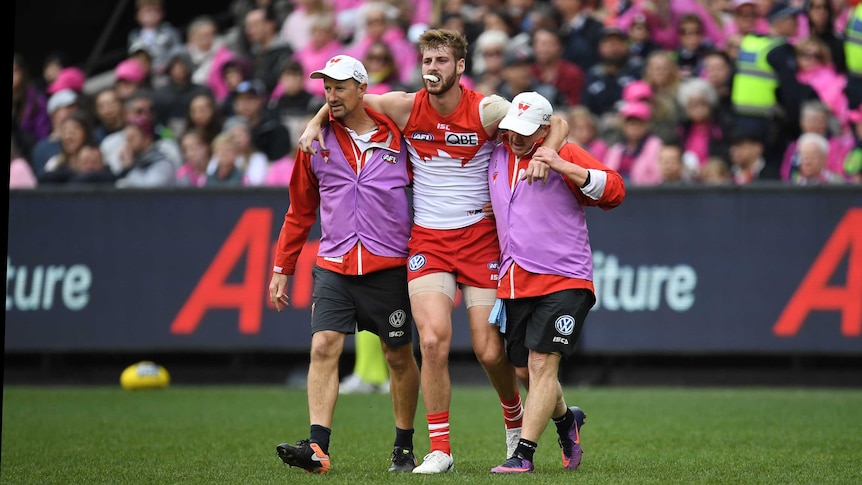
(498, 315)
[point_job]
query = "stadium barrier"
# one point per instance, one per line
(773, 270)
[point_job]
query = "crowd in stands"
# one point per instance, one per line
(666, 92)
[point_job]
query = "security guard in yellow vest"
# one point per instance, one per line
(766, 94)
(853, 55)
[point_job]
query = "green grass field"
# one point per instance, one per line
(227, 435)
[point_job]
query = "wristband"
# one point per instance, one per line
(587, 181)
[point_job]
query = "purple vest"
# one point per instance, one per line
(371, 207)
(541, 227)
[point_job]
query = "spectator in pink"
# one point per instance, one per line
(324, 45)
(21, 175)
(817, 70)
(701, 134)
(636, 156)
(815, 118)
(129, 76)
(296, 29)
(30, 120)
(585, 132)
(379, 24)
(197, 151)
(68, 78)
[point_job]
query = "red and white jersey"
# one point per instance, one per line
(450, 156)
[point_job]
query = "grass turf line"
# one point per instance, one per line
(227, 435)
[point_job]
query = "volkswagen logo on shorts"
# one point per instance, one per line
(397, 318)
(416, 262)
(565, 325)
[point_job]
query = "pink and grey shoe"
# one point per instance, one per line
(516, 464)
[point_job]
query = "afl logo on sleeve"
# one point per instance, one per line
(565, 325)
(398, 318)
(416, 262)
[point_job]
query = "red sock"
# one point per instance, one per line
(513, 411)
(438, 430)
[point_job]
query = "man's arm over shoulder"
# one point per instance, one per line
(397, 105)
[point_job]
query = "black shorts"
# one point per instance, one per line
(377, 302)
(548, 324)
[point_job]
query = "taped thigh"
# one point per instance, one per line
(478, 296)
(436, 282)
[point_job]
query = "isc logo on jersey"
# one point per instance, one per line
(462, 139)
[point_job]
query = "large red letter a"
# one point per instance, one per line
(814, 294)
(251, 236)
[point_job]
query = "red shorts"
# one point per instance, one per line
(471, 253)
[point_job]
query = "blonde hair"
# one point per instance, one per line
(224, 139)
(441, 38)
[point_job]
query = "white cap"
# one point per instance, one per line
(527, 113)
(61, 99)
(342, 68)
